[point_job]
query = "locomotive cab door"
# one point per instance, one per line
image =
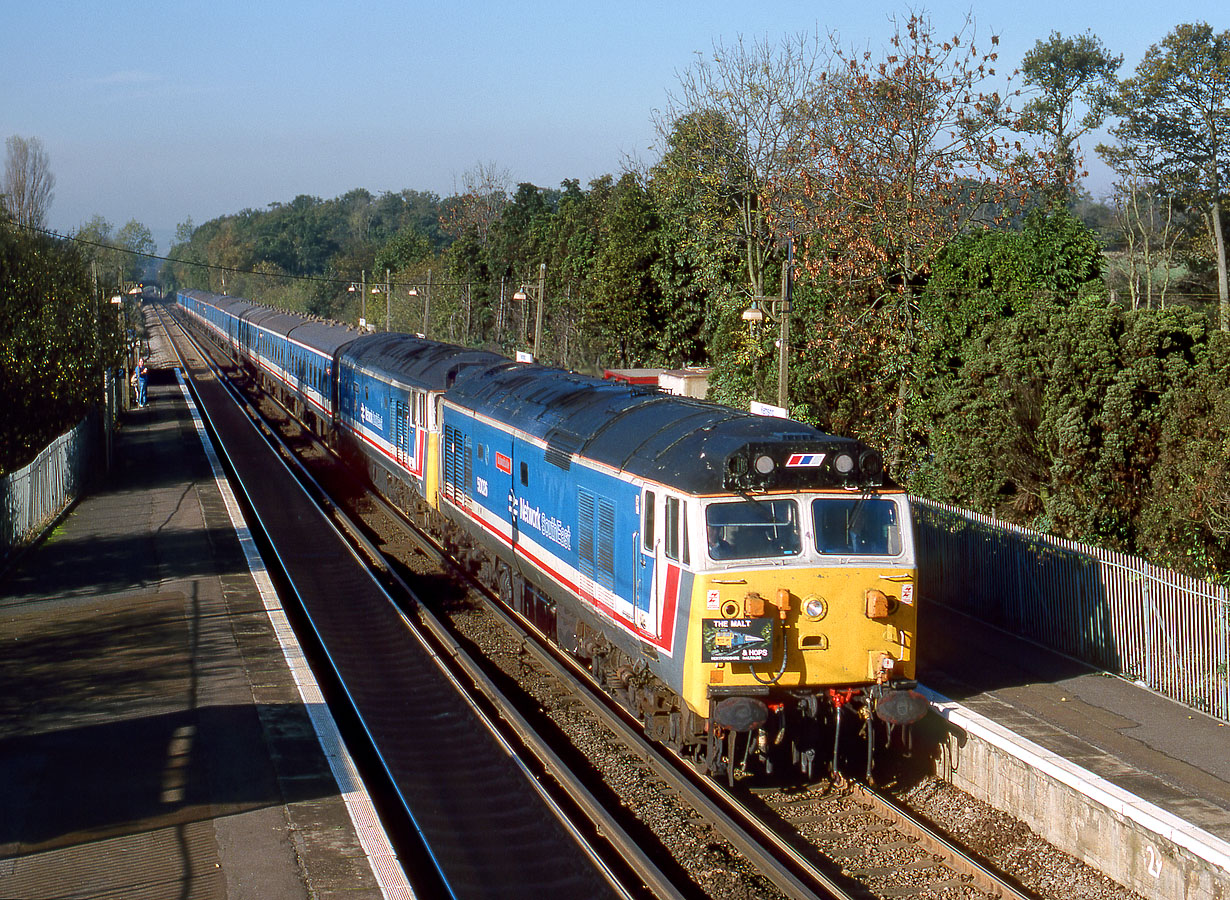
(664, 549)
(646, 573)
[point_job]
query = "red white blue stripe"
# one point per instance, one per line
(804, 460)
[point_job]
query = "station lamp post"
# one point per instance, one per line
(121, 318)
(414, 292)
(778, 310)
(361, 288)
(388, 299)
(527, 291)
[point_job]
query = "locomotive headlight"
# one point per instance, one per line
(814, 607)
(843, 463)
(764, 464)
(871, 464)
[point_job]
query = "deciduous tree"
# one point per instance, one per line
(138, 240)
(1174, 126)
(1155, 227)
(915, 153)
(28, 186)
(731, 135)
(1064, 71)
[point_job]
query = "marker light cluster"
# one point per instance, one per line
(791, 465)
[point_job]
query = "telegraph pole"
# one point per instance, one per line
(542, 281)
(783, 345)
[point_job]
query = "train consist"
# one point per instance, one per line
(743, 584)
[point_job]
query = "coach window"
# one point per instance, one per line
(647, 514)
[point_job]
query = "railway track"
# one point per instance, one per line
(815, 841)
(618, 868)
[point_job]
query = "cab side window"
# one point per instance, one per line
(647, 518)
(677, 530)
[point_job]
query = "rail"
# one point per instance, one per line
(524, 747)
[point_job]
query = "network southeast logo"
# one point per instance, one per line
(371, 417)
(552, 529)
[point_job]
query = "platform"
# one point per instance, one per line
(154, 740)
(1131, 782)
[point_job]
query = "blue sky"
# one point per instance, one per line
(169, 110)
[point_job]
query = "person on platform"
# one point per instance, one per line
(142, 380)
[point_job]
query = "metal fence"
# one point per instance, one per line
(1114, 611)
(32, 497)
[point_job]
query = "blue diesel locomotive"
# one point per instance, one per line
(743, 584)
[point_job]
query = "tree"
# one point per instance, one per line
(626, 308)
(570, 247)
(691, 187)
(479, 204)
(231, 255)
(470, 218)
(402, 250)
(1063, 71)
(914, 155)
(1174, 126)
(1152, 224)
(53, 337)
(990, 315)
(185, 269)
(138, 240)
(1185, 522)
(28, 182)
(731, 137)
(124, 255)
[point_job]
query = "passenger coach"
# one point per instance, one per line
(294, 355)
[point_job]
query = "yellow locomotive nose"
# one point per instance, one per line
(831, 626)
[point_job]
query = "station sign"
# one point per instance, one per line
(767, 409)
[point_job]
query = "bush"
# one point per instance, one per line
(50, 338)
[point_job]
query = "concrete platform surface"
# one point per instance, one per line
(153, 742)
